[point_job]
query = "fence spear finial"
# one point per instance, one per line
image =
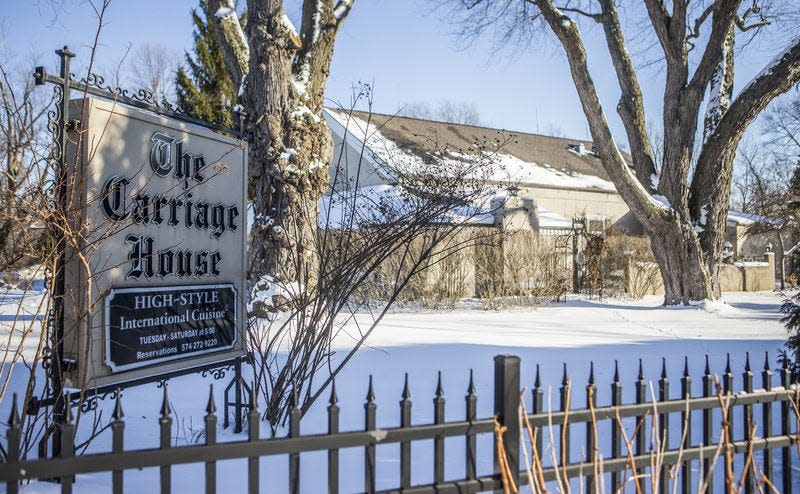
(165, 403)
(616, 371)
(118, 413)
(747, 362)
(728, 363)
(536, 383)
(439, 389)
(564, 378)
(591, 373)
(708, 369)
(14, 419)
(211, 407)
(663, 367)
(370, 392)
(471, 388)
(685, 366)
(766, 360)
(640, 377)
(334, 398)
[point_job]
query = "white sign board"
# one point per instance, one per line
(155, 266)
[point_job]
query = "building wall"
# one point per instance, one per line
(755, 276)
(571, 203)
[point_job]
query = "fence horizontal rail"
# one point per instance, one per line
(672, 406)
(668, 457)
(482, 484)
(144, 458)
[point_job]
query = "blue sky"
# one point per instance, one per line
(399, 46)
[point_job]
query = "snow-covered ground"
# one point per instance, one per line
(424, 342)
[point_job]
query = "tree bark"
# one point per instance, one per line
(687, 230)
(290, 146)
(682, 263)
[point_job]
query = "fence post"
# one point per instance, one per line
(165, 423)
(727, 388)
(616, 436)
(211, 439)
(506, 408)
(253, 466)
(12, 437)
(333, 454)
(472, 415)
(438, 441)
(67, 443)
(786, 453)
(766, 414)
(663, 419)
(641, 423)
(370, 408)
(747, 424)
(117, 441)
(686, 432)
(294, 431)
(591, 432)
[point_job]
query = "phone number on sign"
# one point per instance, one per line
(199, 345)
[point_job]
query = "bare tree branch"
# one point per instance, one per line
(597, 17)
(342, 9)
(231, 38)
(698, 23)
(714, 167)
(631, 102)
(660, 19)
(724, 15)
(629, 187)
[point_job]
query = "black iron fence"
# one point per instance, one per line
(625, 445)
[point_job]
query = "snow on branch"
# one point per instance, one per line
(342, 8)
(770, 67)
(225, 10)
(232, 40)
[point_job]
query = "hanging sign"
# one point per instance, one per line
(160, 245)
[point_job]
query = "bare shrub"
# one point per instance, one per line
(534, 267)
(375, 245)
(618, 264)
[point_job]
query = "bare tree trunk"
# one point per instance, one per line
(687, 224)
(283, 76)
(683, 268)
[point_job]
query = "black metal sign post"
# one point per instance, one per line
(60, 124)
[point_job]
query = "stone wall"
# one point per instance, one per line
(644, 278)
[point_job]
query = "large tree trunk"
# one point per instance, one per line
(687, 223)
(683, 268)
(283, 75)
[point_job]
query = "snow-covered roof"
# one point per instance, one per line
(746, 219)
(410, 144)
(369, 206)
(550, 219)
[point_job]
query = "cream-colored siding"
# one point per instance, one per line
(574, 203)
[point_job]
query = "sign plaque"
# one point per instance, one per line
(154, 271)
(145, 326)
